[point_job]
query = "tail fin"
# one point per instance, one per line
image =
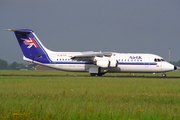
(31, 46)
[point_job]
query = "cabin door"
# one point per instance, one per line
(146, 62)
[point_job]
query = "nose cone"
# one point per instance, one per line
(168, 67)
(175, 68)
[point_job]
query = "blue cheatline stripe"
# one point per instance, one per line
(73, 62)
(153, 63)
(121, 63)
(131, 63)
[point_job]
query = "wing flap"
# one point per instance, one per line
(90, 56)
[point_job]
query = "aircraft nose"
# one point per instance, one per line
(175, 68)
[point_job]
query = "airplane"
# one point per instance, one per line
(96, 63)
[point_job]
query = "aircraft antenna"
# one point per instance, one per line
(169, 54)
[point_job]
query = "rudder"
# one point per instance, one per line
(31, 46)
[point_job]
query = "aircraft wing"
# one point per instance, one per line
(90, 56)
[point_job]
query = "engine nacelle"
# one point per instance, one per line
(106, 63)
(113, 63)
(102, 63)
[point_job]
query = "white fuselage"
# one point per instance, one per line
(127, 62)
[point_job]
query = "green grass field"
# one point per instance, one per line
(68, 95)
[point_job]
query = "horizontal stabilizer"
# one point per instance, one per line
(20, 30)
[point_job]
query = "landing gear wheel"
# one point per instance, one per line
(99, 74)
(93, 74)
(163, 75)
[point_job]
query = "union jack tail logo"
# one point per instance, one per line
(30, 42)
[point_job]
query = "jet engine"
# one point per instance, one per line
(106, 63)
(113, 63)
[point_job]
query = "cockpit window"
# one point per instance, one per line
(155, 60)
(158, 60)
(162, 60)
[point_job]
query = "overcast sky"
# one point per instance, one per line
(125, 26)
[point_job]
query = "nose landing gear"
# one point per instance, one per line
(164, 75)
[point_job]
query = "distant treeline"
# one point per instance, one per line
(13, 66)
(17, 66)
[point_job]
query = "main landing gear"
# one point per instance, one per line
(93, 74)
(98, 74)
(164, 75)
